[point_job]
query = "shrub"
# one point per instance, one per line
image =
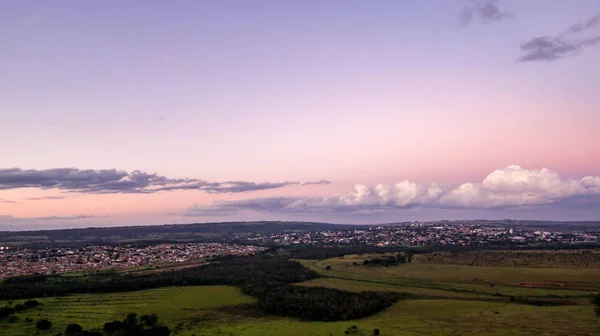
(43, 325)
(6, 311)
(149, 320)
(31, 304)
(73, 329)
(19, 307)
(352, 330)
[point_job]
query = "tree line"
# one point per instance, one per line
(234, 271)
(267, 278)
(319, 303)
(389, 260)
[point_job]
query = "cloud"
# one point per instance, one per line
(510, 187)
(486, 11)
(76, 217)
(4, 200)
(321, 182)
(564, 45)
(112, 181)
(590, 23)
(44, 198)
(10, 220)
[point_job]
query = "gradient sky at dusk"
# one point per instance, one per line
(149, 112)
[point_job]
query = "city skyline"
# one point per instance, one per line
(344, 112)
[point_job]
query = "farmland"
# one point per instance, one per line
(199, 311)
(445, 298)
(171, 304)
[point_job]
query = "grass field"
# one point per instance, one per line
(198, 311)
(432, 317)
(515, 281)
(533, 258)
(171, 304)
(448, 298)
(359, 286)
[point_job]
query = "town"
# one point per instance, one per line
(467, 233)
(16, 261)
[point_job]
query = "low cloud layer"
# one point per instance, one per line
(112, 181)
(573, 41)
(510, 187)
(10, 220)
(44, 198)
(486, 10)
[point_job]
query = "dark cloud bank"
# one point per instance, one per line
(112, 181)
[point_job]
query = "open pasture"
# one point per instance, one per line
(484, 279)
(171, 304)
(446, 299)
(426, 317)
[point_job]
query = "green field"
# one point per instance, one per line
(196, 308)
(358, 286)
(446, 299)
(434, 317)
(532, 258)
(171, 304)
(486, 280)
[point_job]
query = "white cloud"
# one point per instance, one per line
(512, 186)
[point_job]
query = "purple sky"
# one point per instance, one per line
(147, 112)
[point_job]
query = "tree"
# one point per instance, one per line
(131, 320)
(6, 311)
(149, 320)
(376, 332)
(596, 301)
(43, 325)
(31, 304)
(73, 329)
(114, 326)
(401, 259)
(328, 268)
(352, 330)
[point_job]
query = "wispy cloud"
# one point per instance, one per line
(316, 182)
(44, 198)
(112, 181)
(10, 220)
(76, 217)
(486, 10)
(4, 200)
(592, 22)
(510, 187)
(569, 43)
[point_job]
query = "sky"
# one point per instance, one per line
(152, 112)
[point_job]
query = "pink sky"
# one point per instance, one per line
(345, 92)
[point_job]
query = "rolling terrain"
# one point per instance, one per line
(446, 298)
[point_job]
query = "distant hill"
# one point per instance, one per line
(198, 232)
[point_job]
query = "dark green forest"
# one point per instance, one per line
(267, 278)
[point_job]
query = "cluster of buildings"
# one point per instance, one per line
(17, 261)
(20, 261)
(428, 234)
